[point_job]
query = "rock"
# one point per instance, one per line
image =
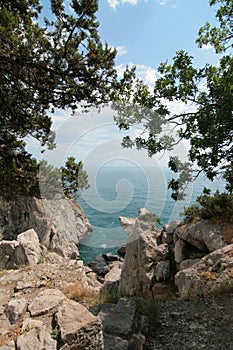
(31, 246)
(112, 342)
(79, 328)
(127, 224)
(120, 320)
(113, 275)
(9, 346)
(137, 342)
(15, 309)
(142, 256)
(121, 251)
(185, 264)
(179, 251)
(26, 250)
(110, 257)
(204, 277)
(45, 301)
(202, 234)
(162, 271)
(59, 223)
(35, 336)
(110, 288)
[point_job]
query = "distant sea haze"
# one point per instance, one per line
(122, 191)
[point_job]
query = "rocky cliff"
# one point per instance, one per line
(59, 223)
(194, 257)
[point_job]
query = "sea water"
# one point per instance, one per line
(122, 191)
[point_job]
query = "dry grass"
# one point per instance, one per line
(209, 276)
(79, 293)
(230, 271)
(11, 334)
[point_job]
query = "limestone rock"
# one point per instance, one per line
(26, 250)
(35, 336)
(142, 255)
(185, 264)
(127, 224)
(45, 301)
(202, 234)
(59, 223)
(212, 273)
(162, 270)
(15, 309)
(120, 320)
(179, 251)
(113, 342)
(79, 328)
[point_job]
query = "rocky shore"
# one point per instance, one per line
(168, 288)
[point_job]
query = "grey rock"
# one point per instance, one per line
(15, 309)
(45, 301)
(162, 270)
(113, 342)
(35, 336)
(60, 223)
(121, 319)
(79, 328)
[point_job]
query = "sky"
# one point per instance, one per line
(145, 33)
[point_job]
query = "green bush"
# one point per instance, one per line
(218, 206)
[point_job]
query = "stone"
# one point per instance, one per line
(59, 223)
(185, 264)
(121, 251)
(110, 257)
(31, 246)
(162, 271)
(35, 336)
(120, 320)
(142, 255)
(79, 328)
(45, 301)
(16, 308)
(115, 343)
(113, 275)
(203, 277)
(202, 234)
(179, 251)
(137, 341)
(127, 224)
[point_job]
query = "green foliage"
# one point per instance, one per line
(74, 178)
(218, 206)
(208, 126)
(56, 333)
(151, 218)
(56, 62)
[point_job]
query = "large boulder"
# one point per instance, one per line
(26, 250)
(142, 264)
(59, 223)
(213, 273)
(202, 234)
(79, 328)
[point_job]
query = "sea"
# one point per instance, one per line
(121, 191)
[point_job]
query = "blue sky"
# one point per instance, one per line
(145, 32)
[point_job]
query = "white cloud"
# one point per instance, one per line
(121, 50)
(132, 2)
(113, 3)
(206, 47)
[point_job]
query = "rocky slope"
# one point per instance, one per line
(59, 223)
(190, 262)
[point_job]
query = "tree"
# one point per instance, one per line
(208, 127)
(56, 62)
(74, 178)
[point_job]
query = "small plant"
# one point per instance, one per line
(151, 218)
(26, 329)
(219, 206)
(56, 333)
